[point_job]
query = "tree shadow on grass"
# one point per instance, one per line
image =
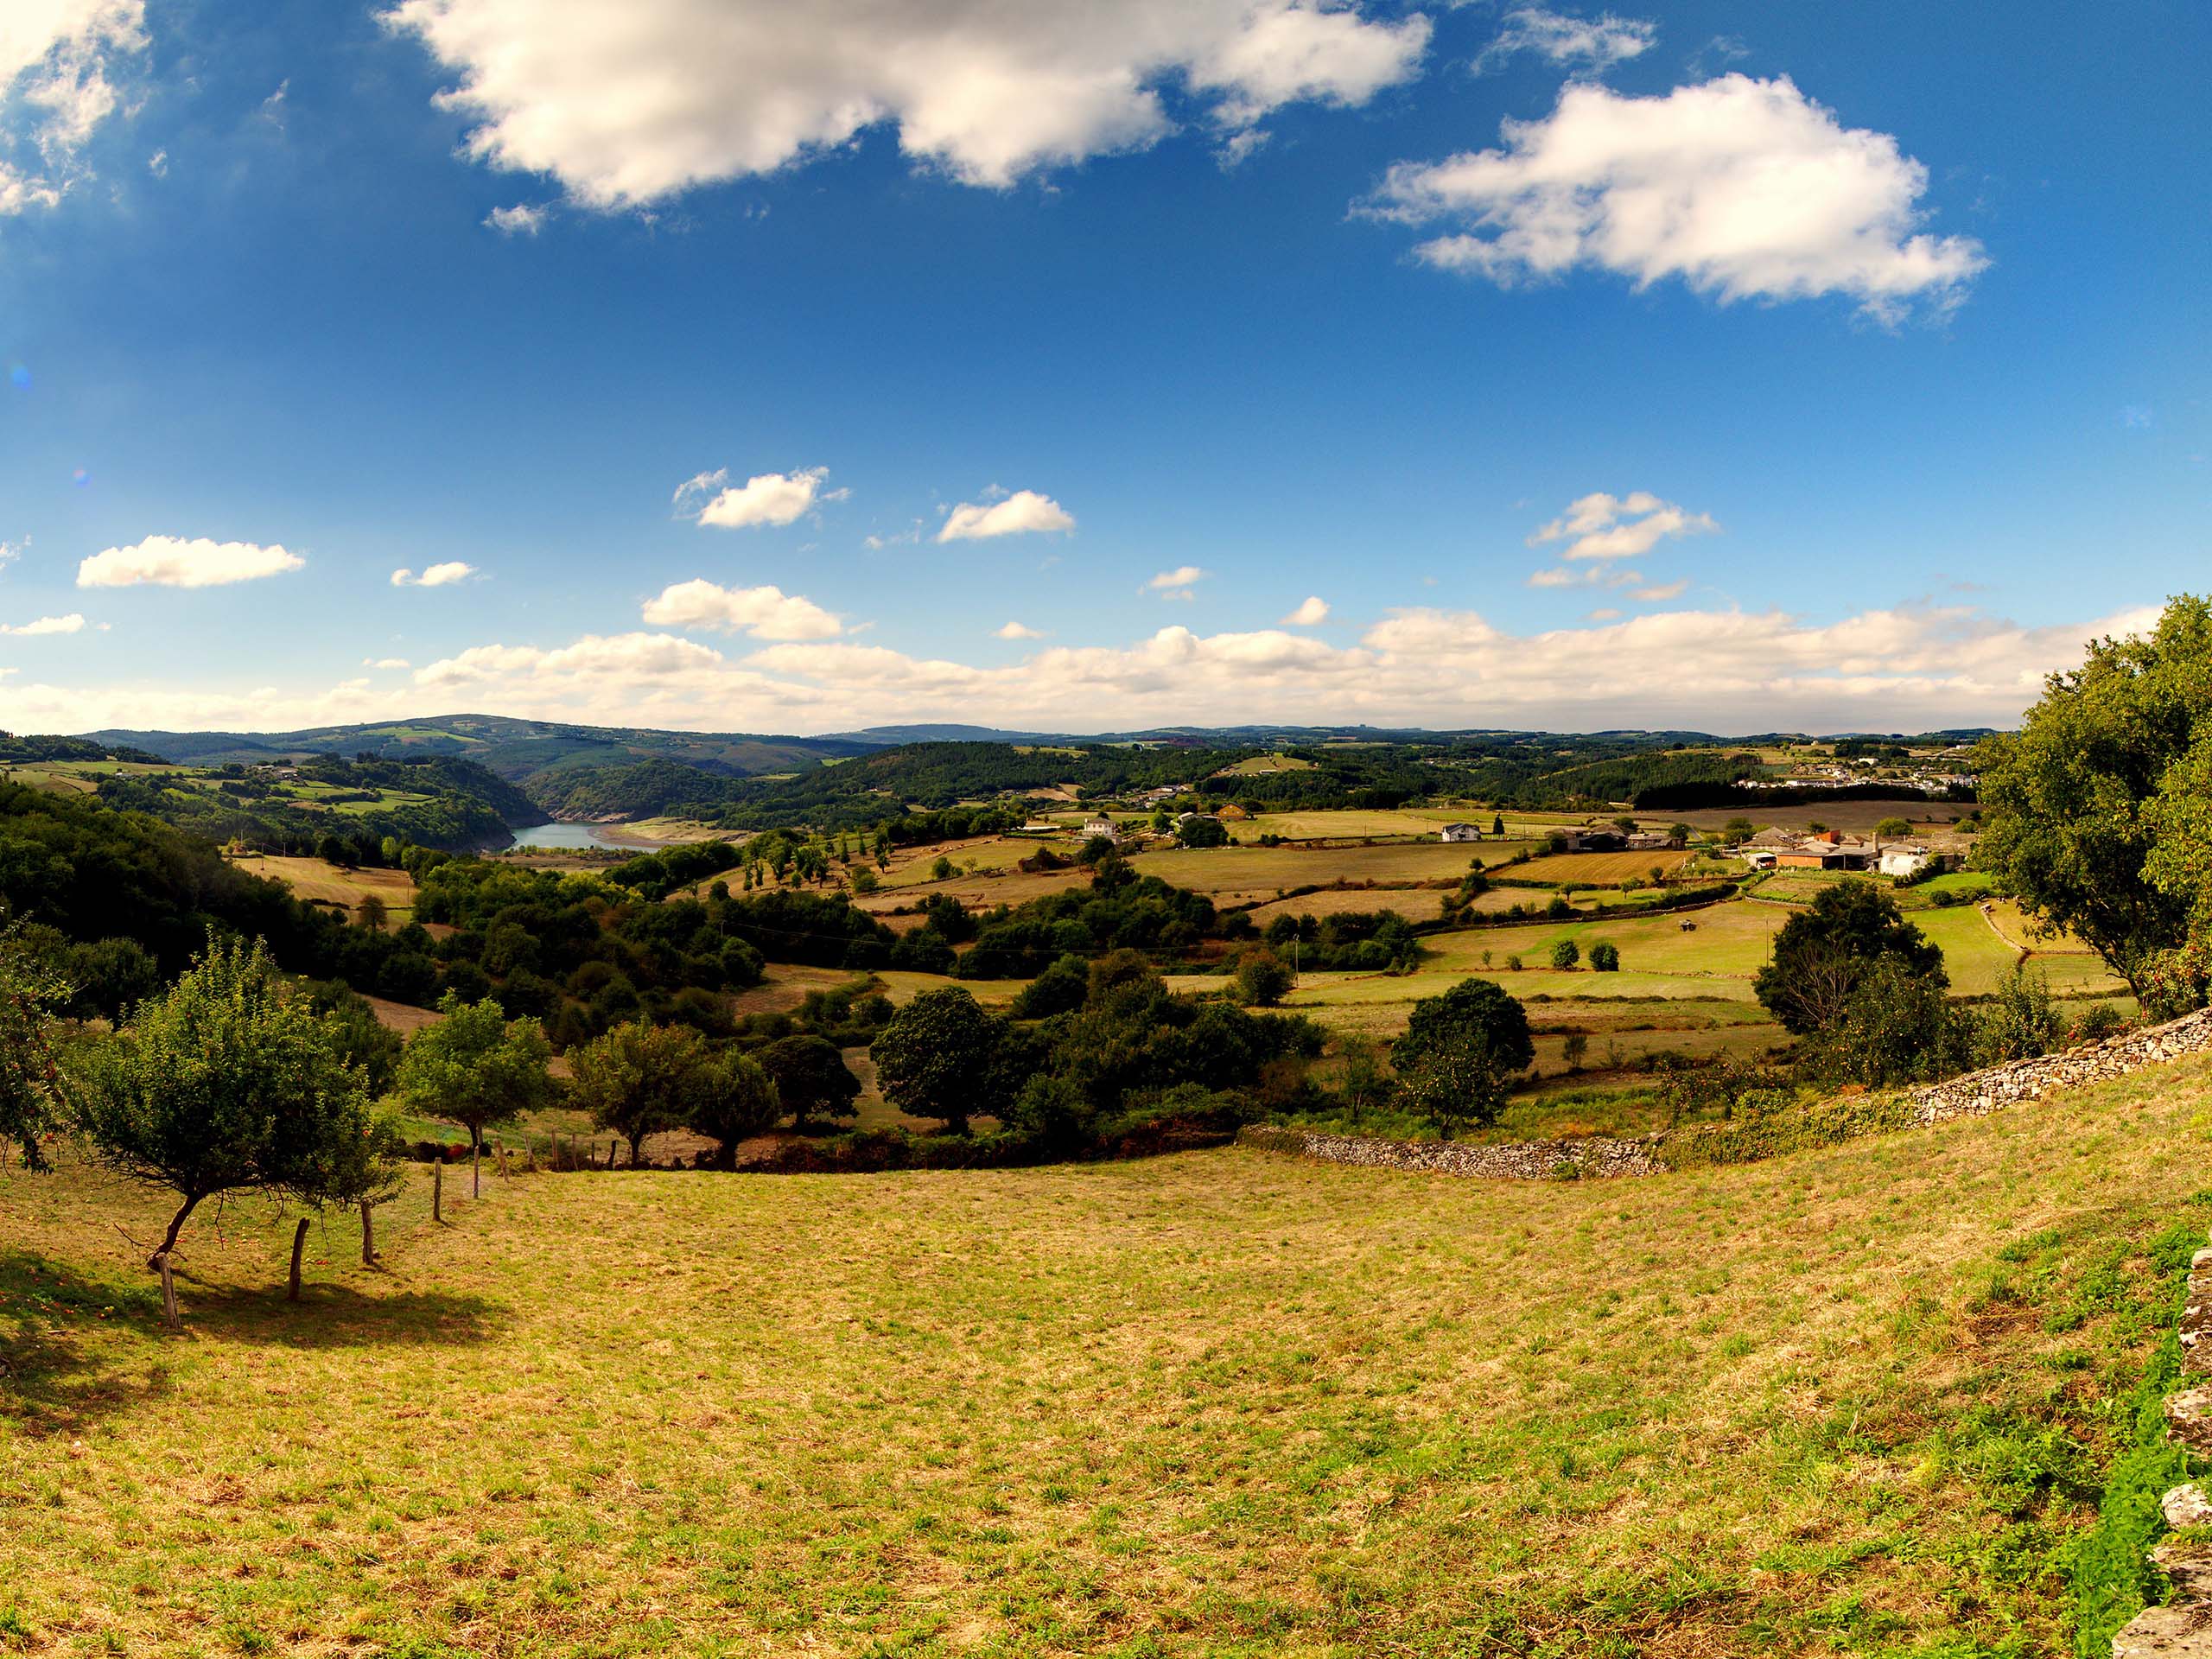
(75, 1348)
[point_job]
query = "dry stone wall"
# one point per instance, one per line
(1979, 1093)
(1975, 1095)
(2182, 1628)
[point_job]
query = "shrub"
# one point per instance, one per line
(1564, 954)
(2019, 1022)
(2099, 1021)
(1605, 957)
(1263, 980)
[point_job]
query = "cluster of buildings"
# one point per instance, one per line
(1784, 849)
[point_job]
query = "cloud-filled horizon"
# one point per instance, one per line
(1085, 366)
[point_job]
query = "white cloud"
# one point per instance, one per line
(1588, 44)
(765, 499)
(385, 662)
(435, 575)
(1020, 514)
(158, 163)
(764, 613)
(1603, 526)
(11, 551)
(1656, 593)
(71, 623)
(1742, 188)
(173, 562)
(1015, 631)
(56, 60)
(1310, 614)
(626, 105)
(1560, 576)
(1177, 583)
(521, 220)
(1907, 669)
(1605, 613)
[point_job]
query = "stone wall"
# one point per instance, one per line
(1531, 1160)
(2182, 1628)
(1979, 1093)
(1975, 1095)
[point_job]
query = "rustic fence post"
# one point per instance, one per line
(438, 1188)
(299, 1243)
(170, 1319)
(368, 1235)
(476, 1169)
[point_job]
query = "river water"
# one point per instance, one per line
(565, 837)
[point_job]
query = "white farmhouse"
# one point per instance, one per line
(1100, 829)
(1461, 832)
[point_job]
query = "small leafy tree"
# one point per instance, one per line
(227, 1083)
(736, 1101)
(639, 1079)
(1262, 980)
(1605, 957)
(1200, 830)
(1891, 828)
(1461, 1052)
(812, 1078)
(1737, 831)
(476, 1067)
(1565, 954)
(937, 1058)
(30, 1085)
(1060, 988)
(1897, 1027)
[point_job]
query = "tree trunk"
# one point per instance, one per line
(170, 1320)
(168, 1239)
(368, 1235)
(299, 1243)
(637, 1150)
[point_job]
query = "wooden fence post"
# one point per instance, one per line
(476, 1169)
(368, 1235)
(299, 1243)
(438, 1188)
(170, 1319)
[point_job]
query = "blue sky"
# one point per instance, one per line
(1856, 360)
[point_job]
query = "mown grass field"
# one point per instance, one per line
(1264, 871)
(1852, 1401)
(1599, 869)
(317, 879)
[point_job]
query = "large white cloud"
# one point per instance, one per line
(765, 499)
(764, 613)
(628, 103)
(1909, 668)
(174, 561)
(1022, 513)
(1742, 188)
(57, 57)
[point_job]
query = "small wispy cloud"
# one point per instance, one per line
(521, 220)
(1177, 583)
(1310, 614)
(1022, 513)
(1016, 631)
(436, 575)
(71, 623)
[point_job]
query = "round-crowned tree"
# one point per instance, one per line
(812, 1079)
(1823, 955)
(1605, 957)
(1564, 954)
(937, 1058)
(1461, 1052)
(736, 1100)
(1262, 979)
(476, 1067)
(639, 1079)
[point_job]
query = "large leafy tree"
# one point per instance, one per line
(228, 1082)
(812, 1079)
(938, 1058)
(30, 991)
(476, 1067)
(1461, 1053)
(2094, 812)
(1825, 952)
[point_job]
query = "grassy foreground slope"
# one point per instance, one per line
(1851, 1401)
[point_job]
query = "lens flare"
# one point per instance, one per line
(19, 375)
(80, 478)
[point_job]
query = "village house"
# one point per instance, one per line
(1460, 832)
(1653, 841)
(1100, 829)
